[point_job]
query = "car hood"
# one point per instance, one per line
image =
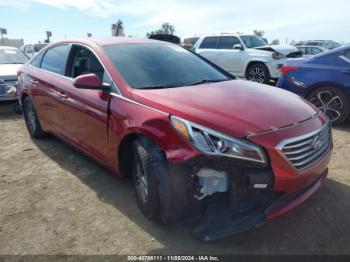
(236, 107)
(7, 70)
(283, 49)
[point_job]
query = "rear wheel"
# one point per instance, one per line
(31, 119)
(258, 73)
(332, 101)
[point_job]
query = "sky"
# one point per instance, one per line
(283, 20)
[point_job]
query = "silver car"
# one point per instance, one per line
(11, 59)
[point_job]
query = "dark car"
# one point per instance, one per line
(193, 138)
(323, 79)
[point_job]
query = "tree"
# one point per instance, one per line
(259, 33)
(118, 28)
(166, 29)
(293, 42)
(275, 42)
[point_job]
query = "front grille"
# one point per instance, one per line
(8, 87)
(303, 151)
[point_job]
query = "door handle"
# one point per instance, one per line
(62, 94)
(347, 71)
(34, 82)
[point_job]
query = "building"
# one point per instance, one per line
(12, 42)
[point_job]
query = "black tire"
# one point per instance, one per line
(258, 72)
(32, 120)
(17, 108)
(332, 101)
(149, 163)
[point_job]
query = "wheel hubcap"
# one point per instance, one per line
(256, 75)
(141, 180)
(329, 103)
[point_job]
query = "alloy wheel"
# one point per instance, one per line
(256, 74)
(141, 182)
(329, 103)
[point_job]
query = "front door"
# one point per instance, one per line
(85, 112)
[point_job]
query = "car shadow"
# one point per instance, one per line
(7, 112)
(319, 226)
(344, 126)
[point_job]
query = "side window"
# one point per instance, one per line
(227, 42)
(210, 42)
(55, 59)
(347, 53)
(308, 51)
(315, 51)
(36, 61)
(82, 61)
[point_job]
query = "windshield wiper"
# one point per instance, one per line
(204, 81)
(158, 86)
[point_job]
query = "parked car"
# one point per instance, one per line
(245, 55)
(326, 44)
(189, 42)
(10, 61)
(192, 137)
(311, 50)
(32, 49)
(323, 79)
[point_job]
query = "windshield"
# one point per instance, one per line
(159, 66)
(252, 41)
(12, 56)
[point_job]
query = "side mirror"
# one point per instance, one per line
(88, 81)
(238, 46)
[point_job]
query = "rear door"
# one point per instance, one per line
(208, 48)
(230, 59)
(44, 78)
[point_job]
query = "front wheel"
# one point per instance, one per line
(258, 73)
(148, 164)
(331, 101)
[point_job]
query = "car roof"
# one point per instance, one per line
(7, 47)
(225, 34)
(113, 41)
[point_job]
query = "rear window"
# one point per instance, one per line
(55, 59)
(210, 42)
(12, 56)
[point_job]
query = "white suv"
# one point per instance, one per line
(245, 55)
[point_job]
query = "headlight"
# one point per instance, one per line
(214, 143)
(277, 55)
(10, 87)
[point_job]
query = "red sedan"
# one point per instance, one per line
(193, 138)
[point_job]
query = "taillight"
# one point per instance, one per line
(286, 69)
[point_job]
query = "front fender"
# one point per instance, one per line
(131, 118)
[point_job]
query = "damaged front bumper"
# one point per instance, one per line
(230, 196)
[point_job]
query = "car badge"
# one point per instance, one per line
(317, 143)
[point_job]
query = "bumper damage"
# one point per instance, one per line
(232, 197)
